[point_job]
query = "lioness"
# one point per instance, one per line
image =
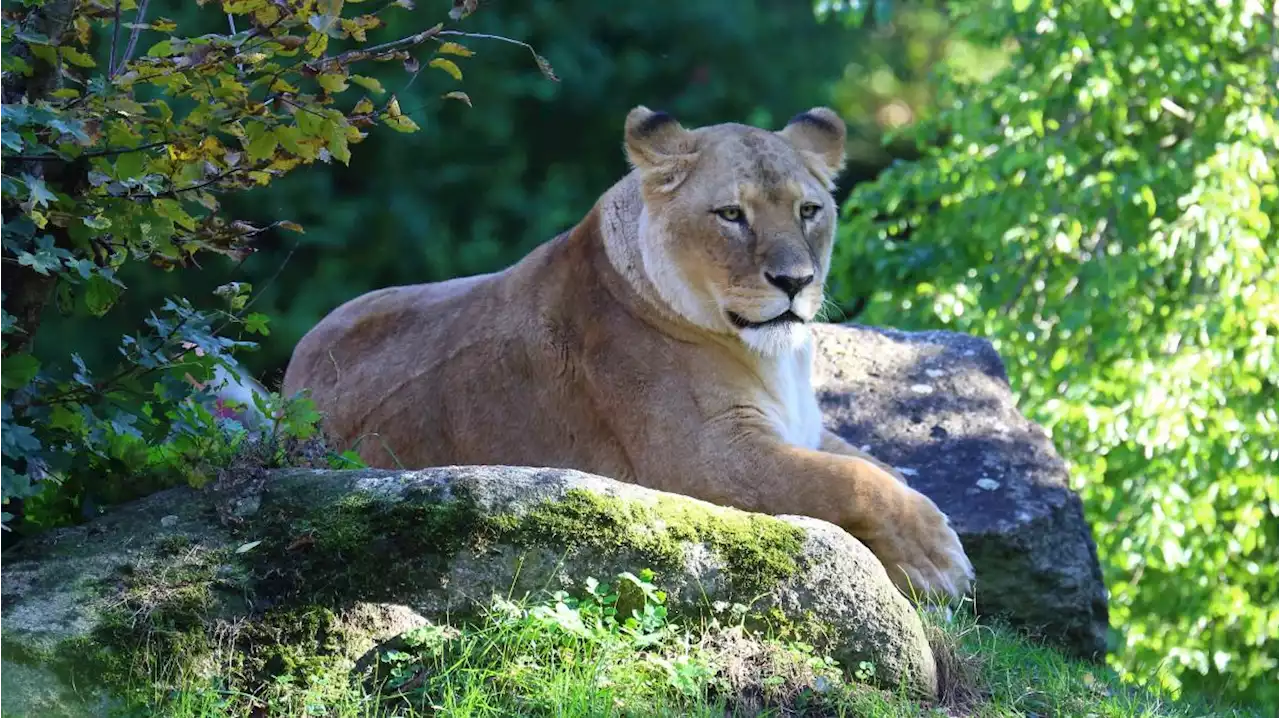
(662, 341)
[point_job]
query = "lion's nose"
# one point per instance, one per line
(789, 283)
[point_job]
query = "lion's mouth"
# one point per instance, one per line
(742, 322)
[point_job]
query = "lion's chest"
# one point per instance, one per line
(791, 403)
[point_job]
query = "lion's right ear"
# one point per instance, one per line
(659, 147)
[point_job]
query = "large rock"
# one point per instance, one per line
(323, 566)
(937, 405)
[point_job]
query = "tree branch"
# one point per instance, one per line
(133, 36)
(89, 155)
(384, 48)
(115, 38)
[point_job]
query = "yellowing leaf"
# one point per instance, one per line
(78, 58)
(292, 227)
(316, 44)
(448, 66)
(369, 83)
(397, 120)
(65, 93)
(458, 95)
(400, 123)
(453, 48)
(333, 81)
(363, 107)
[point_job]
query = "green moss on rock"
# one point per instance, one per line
(758, 551)
(364, 546)
(268, 620)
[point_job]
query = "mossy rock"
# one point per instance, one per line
(307, 575)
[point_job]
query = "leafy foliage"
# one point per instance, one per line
(119, 160)
(1104, 208)
(476, 190)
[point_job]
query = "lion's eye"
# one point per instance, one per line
(730, 213)
(809, 210)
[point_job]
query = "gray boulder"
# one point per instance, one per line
(318, 568)
(937, 405)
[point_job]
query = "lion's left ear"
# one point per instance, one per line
(819, 134)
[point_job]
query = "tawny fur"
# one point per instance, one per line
(611, 348)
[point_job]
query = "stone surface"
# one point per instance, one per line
(937, 405)
(383, 551)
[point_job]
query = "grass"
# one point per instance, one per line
(567, 657)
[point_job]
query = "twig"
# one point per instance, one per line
(543, 66)
(385, 47)
(133, 36)
(115, 37)
(258, 294)
(89, 155)
(174, 192)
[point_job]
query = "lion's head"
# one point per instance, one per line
(739, 222)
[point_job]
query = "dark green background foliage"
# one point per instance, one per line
(479, 187)
(1091, 185)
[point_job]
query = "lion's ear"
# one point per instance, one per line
(659, 147)
(819, 135)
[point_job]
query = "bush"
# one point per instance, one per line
(114, 162)
(1104, 208)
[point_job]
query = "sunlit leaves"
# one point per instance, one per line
(1103, 209)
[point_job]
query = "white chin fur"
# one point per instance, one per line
(776, 340)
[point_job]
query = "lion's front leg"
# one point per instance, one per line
(902, 526)
(833, 444)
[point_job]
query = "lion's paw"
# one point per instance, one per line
(922, 553)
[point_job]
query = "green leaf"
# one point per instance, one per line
(1149, 198)
(76, 57)
(40, 194)
(130, 165)
(48, 53)
(261, 141)
(163, 48)
(100, 295)
(172, 209)
(18, 370)
(256, 323)
(338, 143)
(333, 82)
